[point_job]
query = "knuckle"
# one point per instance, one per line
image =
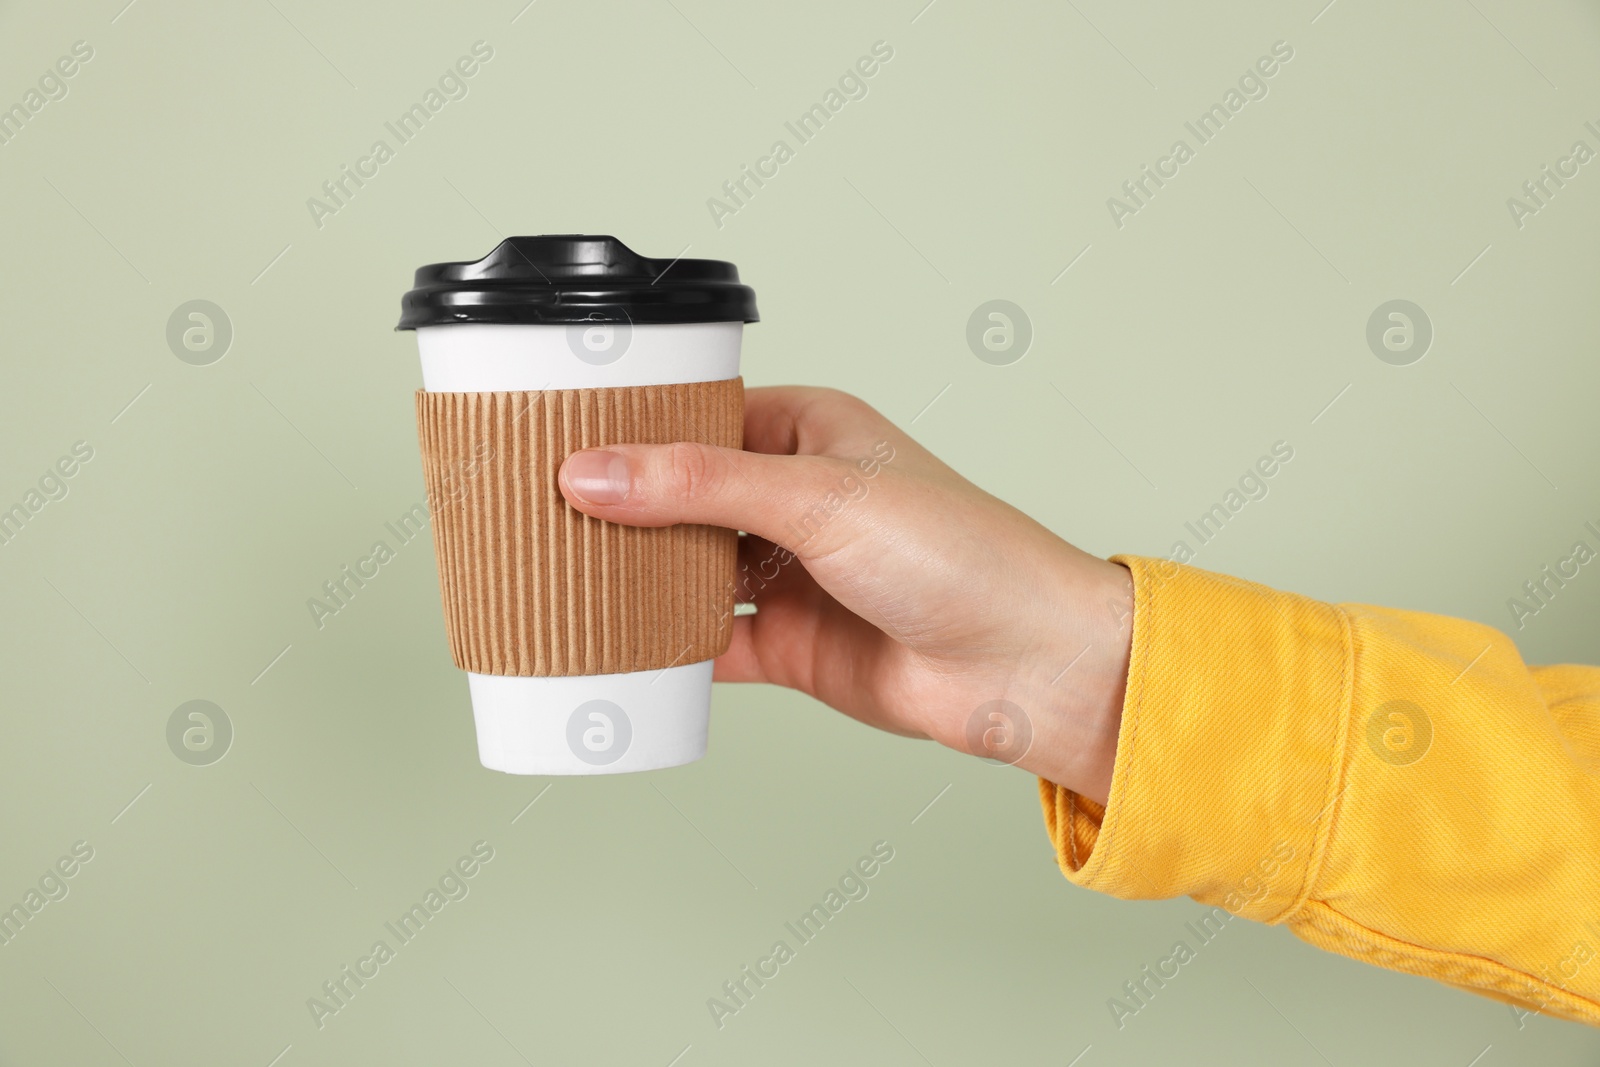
(690, 471)
(837, 400)
(858, 407)
(827, 516)
(851, 410)
(852, 402)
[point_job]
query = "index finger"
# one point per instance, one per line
(788, 420)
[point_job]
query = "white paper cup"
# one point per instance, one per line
(567, 312)
(602, 723)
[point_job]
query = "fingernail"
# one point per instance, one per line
(598, 477)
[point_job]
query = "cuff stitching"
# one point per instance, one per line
(1072, 828)
(1344, 935)
(1322, 832)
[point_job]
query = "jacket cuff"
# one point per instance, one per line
(1230, 751)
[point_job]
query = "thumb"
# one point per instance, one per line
(660, 485)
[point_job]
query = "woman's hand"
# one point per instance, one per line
(890, 587)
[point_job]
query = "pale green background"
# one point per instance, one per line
(1218, 320)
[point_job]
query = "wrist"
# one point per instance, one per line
(1075, 709)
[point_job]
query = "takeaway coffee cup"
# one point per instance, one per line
(588, 645)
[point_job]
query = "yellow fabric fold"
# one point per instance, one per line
(1394, 786)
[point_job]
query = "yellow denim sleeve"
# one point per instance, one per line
(1394, 786)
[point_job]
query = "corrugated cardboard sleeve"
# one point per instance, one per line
(531, 585)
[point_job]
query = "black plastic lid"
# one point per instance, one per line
(575, 278)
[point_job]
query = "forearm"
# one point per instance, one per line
(1396, 787)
